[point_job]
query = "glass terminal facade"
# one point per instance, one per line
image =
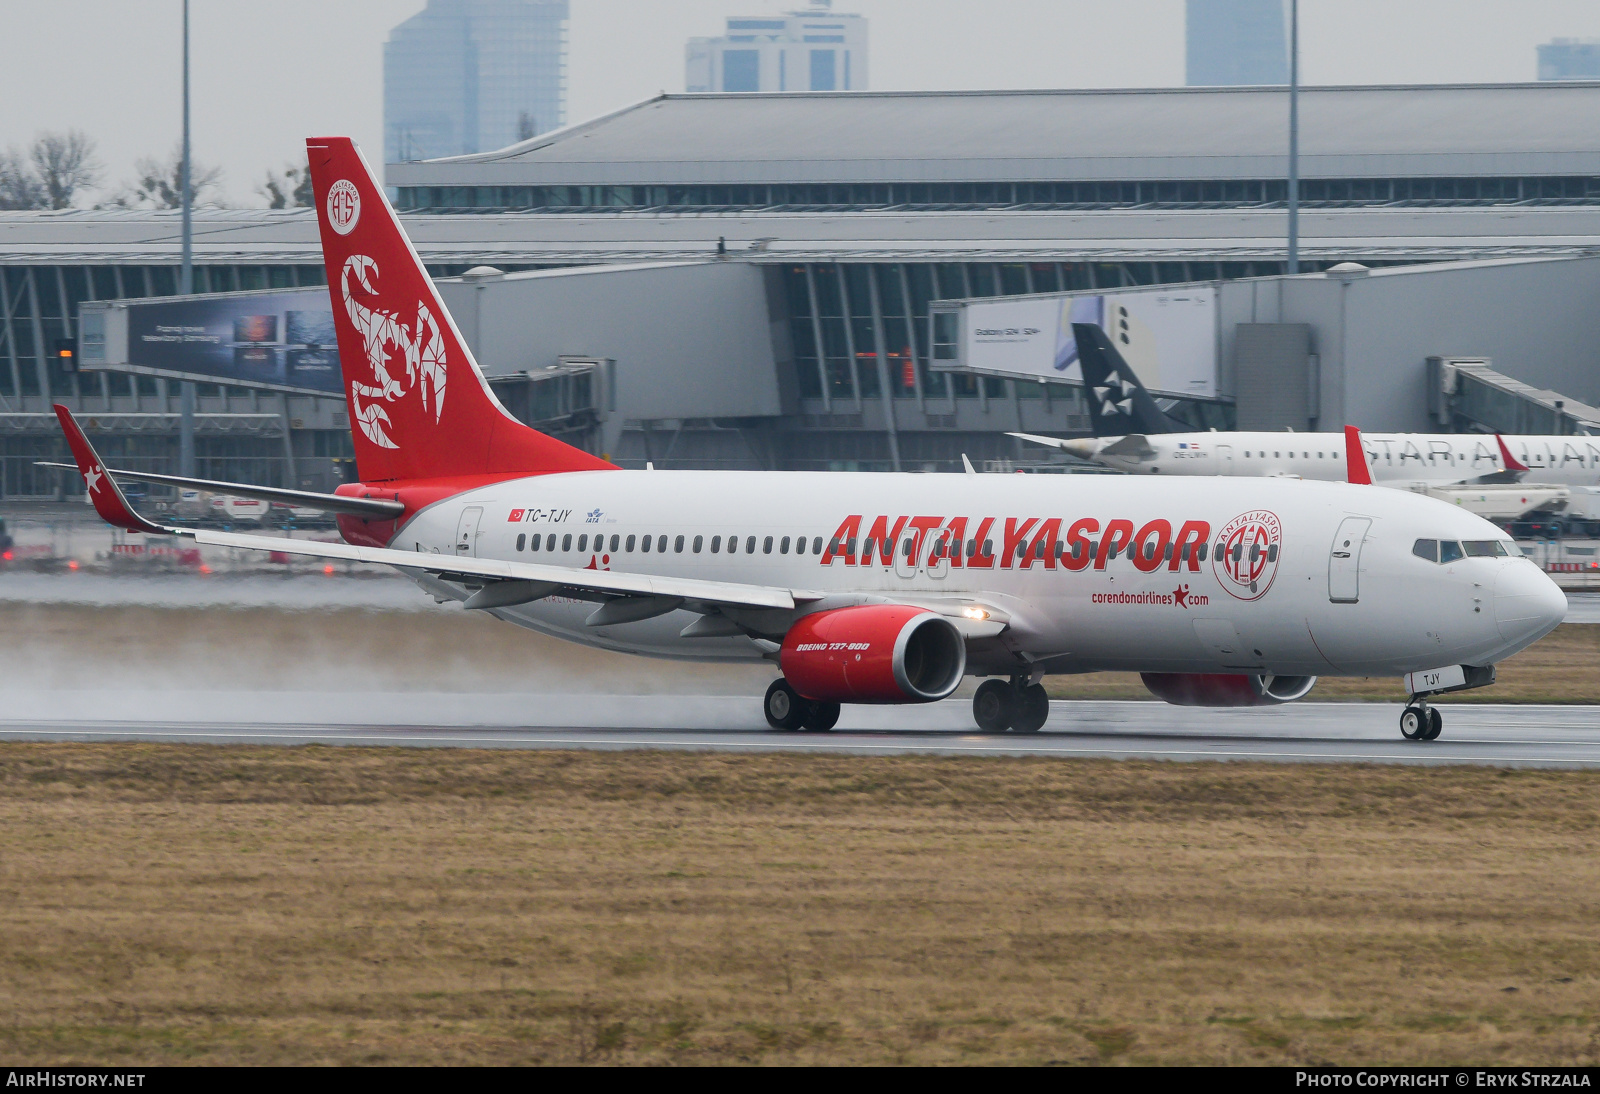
(939, 196)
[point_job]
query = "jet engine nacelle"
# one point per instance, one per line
(1220, 689)
(877, 653)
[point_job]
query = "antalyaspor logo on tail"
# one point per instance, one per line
(344, 206)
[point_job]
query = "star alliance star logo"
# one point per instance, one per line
(92, 478)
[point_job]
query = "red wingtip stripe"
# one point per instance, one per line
(1511, 462)
(107, 496)
(1355, 458)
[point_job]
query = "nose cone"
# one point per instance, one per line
(1527, 604)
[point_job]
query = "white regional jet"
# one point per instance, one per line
(871, 588)
(1499, 478)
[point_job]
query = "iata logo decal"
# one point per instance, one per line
(1247, 557)
(344, 206)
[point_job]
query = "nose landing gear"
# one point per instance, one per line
(1016, 705)
(1420, 722)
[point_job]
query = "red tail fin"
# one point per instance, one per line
(1355, 458)
(419, 406)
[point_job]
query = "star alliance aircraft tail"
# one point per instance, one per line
(419, 406)
(1118, 403)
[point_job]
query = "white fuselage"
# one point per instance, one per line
(1374, 609)
(1396, 459)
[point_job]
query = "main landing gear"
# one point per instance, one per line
(787, 709)
(1012, 704)
(1420, 722)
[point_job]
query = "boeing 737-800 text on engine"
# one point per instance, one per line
(870, 588)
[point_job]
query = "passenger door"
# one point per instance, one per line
(1224, 459)
(1344, 560)
(467, 530)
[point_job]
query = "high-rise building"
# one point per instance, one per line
(814, 50)
(1233, 42)
(1570, 59)
(464, 76)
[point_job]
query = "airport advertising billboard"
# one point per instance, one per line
(281, 341)
(1168, 336)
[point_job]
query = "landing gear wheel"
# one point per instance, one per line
(1435, 724)
(783, 706)
(1033, 709)
(994, 706)
(1414, 723)
(821, 717)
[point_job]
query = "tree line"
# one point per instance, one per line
(59, 169)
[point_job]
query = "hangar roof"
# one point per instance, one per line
(1550, 128)
(290, 236)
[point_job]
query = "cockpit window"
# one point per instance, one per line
(1449, 550)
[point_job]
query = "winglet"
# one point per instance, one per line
(107, 496)
(1511, 462)
(966, 464)
(1355, 458)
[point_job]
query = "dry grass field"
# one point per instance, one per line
(168, 904)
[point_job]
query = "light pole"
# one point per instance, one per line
(1293, 264)
(186, 394)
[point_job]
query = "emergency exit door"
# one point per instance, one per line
(467, 530)
(1344, 560)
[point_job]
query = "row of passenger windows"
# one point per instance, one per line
(1448, 550)
(658, 544)
(1304, 455)
(798, 544)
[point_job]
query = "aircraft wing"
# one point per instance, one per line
(624, 597)
(538, 578)
(367, 508)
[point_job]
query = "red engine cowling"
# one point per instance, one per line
(1220, 689)
(877, 653)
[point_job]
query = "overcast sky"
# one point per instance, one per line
(268, 73)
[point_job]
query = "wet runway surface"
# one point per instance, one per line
(1583, 608)
(1306, 732)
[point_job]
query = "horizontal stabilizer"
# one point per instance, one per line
(1134, 444)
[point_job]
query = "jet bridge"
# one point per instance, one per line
(1466, 395)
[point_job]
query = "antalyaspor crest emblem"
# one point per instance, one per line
(1246, 559)
(344, 206)
(420, 346)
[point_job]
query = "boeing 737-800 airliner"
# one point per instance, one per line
(870, 588)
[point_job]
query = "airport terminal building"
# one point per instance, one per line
(749, 280)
